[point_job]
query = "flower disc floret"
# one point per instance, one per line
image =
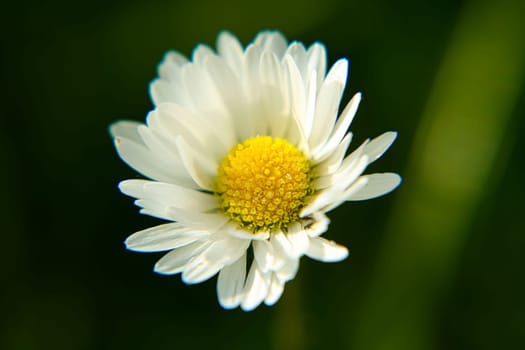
(263, 182)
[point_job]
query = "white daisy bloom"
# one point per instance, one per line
(246, 152)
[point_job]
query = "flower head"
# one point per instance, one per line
(245, 151)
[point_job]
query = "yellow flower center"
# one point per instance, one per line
(263, 183)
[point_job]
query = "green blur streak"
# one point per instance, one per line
(289, 330)
(455, 149)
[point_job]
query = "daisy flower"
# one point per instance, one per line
(246, 152)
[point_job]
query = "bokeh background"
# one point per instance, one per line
(437, 264)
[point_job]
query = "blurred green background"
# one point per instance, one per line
(437, 264)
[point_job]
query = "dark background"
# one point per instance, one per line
(437, 264)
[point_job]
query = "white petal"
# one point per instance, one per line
(325, 250)
(331, 164)
(377, 185)
(342, 196)
(180, 197)
(162, 91)
(233, 230)
(169, 86)
(274, 94)
(273, 41)
(378, 146)
(200, 53)
(141, 159)
(288, 271)
(296, 136)
(310, 110)
(344, 121)
(279, 256)
(162, 148)
(297, 92)
(256, 288)
(344, 176)
(353, 161)
(263, 253)
(281, 244)
(355, 187)
(171, 65)
(211, 260)
(163, 237)
(316, 225)
(319, 201)
(210, 222)
(296, 133)
(169, 195)
(198, 270)
(333, 186)
(133, 188)
(208, 132)
(297, 52)
(354, 157)
(231, 282)
(126, 129)
(153, 208)
(232, 93)
(209, 135)
(317, 61)
(298, 239)
(270, 71)
(328, 100)
(175, 261)
(133, 151)
(201, 168)
(205, 96)
(254, 122)
(275, 291)
(230, 49)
